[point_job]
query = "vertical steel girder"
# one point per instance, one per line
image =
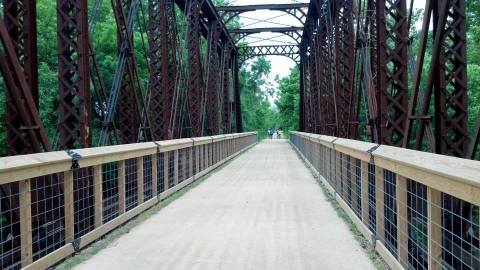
(301, 68)
(194, 81)
(236, 85)
(226, 67)
(20, 20)
(345, 56)
(31, 128)
(392, 70)
(163, 66)
(127, 104)
(450, 80)
(314, 91)
(73, 69)
(213, 84)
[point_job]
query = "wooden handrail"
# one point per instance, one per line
(79, 175)
(369, 180)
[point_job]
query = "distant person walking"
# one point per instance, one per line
(270, 133)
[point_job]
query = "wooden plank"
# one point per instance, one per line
(121, 187)
(364, 188)
(434, 198)
(154, 175)
(402, 220)
(387, 256)
(98, 195)
(353, 185)
(140, 181)
(175, 167)
(379, 203)
(69, 207)
(25, 197)
(166, 170)
(459, 189)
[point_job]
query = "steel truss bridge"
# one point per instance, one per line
(359, 79)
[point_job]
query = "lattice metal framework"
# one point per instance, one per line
(163, 66)
(74, 74)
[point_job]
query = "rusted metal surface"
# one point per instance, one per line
(20, 20)
(74, 74)
(163, 66)
(212, 81)
(194, 81)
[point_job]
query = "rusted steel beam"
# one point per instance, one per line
(344, 61)
(163, 66)
(21, 95)
(447, 80)
(194, 81)
(212, 81)
(290, 51)
(225, 79)
(297, 10)
(392, 70)
(236, 85)
(74, 74)
(20, 20)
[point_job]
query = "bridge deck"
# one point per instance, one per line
(262, 211)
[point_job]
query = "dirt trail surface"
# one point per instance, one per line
(262, 211)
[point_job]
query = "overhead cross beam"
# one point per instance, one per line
(290, 51)
(297, 10)
(294, 32)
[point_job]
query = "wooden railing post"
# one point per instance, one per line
(166, 173)
(380, 200)
(402, 220)
(175, 168)
(140, 184)
(364, 187)
(121, 187)
(190, 161)
(98, 195)
(25, 222)
(154, 175)
(434, 198)
(184, 164)
(69, 207)
(197, 158)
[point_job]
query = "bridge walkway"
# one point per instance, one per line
(264, 210)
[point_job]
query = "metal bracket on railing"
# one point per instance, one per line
(158, 147)
(371, 150)
(76, 244)
(75, 158)
(374, 240)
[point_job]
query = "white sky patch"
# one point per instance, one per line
(259, 19)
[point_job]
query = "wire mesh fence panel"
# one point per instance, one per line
(147, 177)
(390, 212)
(10, 256)
(84, 201)
(160, 172)
(131, 196)
(372, 199)
(417, 219)
(460, 247)
(357, 186)
(110, 191)
(48, 219)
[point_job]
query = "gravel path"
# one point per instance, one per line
(262, 211)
